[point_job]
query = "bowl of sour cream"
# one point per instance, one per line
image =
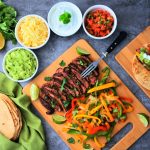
(64, 19)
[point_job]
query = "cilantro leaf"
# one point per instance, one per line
(62, 63)
(8, 21)
(65, 17)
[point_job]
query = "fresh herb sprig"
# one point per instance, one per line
(8, 21)
(65, 17)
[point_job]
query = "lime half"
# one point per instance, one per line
(58, 119)
(144, 119)
(34, 92)
(81, 51)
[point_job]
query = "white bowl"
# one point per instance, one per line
(103, 7)
(16, 31)
(5, 71)
(54, 23)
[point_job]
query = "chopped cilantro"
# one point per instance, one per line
(65, 17)
(71, 140)
(63, 83)
(62, 63)
(47, 78)
(86, 146)
(81, 63)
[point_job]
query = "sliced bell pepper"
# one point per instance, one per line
(87, 116)
(128, 109)
(107, 110)
(102, 87)
(100, 145)
(94, 110)
(94, 130)
(126, 99)
(73, 104)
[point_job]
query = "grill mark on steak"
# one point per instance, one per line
(76, 80)
(70, 84)
(55, 95)
(88, 61)
(74, 71)
(46, 100)
(92, 78)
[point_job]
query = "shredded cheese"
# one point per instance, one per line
(32, 31)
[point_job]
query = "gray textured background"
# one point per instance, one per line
(133, 16)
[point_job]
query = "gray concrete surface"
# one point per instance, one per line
(133, 17)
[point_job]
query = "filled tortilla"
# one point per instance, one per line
(141, 74)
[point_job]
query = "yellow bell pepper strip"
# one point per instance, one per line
(94, 110)
(87, 116)
(102, 87)
(137, 54)
(98, 144)
(112, 98)
(107, 110)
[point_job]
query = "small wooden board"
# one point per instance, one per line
(138, 129)
(125, 56)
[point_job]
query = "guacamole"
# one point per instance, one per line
(144, 57)
(20, 64)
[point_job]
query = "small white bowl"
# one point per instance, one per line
(103, 7)
(56, 26)
(7, 74)
(17, 26)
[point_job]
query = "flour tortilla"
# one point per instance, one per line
(141, 74)
(15, 113)
(7, 126)
(16, 118)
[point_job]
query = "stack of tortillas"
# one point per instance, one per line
(10, 118)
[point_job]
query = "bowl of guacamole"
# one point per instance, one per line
(20, 64)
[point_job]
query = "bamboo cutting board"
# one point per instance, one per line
(125, 56)
(136, 132)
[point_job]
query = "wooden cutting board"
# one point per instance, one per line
(125, 56)
(138, 129)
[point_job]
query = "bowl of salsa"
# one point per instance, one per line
(99, 22)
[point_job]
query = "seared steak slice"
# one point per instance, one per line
(93, 76)
(75, 72)
(55, 95)
(70, 84)
(78, 83)
(88, 61)
(46, 101)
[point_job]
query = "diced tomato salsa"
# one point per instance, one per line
(99, 23)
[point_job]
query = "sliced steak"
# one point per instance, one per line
(55, 95)
(46, 102)
(75, 85)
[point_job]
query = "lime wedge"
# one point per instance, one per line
(34, 92)
(144, 119)
(2, 41)
(81, 51)
(58, 119)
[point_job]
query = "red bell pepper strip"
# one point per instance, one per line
(94, 130)
(73, 105)
(126, 99)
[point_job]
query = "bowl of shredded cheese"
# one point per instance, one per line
(32, 31)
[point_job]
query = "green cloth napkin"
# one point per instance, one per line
(32, 134)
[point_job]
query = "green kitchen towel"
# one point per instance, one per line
(32, 134)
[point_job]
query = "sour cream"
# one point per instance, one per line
(57, 26)
(145, 56)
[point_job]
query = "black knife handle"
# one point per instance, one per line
(117, 41)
